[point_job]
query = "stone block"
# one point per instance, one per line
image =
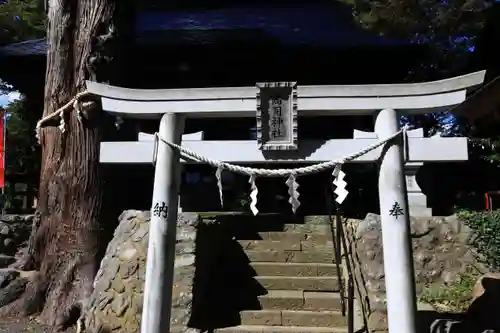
(311, 256)
(293, 237)
(317, 246)
(268, 256)
(317, 219)
(298, 283)
(285, 269)
(321, 301)
(327, 284)
(267, 245)
(241, 329)
(261, 317)
(282, 300)
(327, 269)
(286, 282)
(313, 318)
(290, 256)
(310, 228)
(320, 238)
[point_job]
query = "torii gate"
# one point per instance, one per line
(386, 102)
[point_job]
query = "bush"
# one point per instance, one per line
(486, 226)
(453, 298)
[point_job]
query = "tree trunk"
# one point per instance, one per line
(66, 244)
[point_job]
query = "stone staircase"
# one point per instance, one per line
(295, 267)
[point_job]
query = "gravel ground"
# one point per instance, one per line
(16, 325)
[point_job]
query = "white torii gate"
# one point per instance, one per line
(386, 102)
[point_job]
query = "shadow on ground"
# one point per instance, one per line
(224, 283)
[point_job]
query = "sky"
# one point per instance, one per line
(7, 98)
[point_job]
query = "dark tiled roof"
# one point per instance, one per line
(314, 25)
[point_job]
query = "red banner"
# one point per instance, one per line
(2, 148)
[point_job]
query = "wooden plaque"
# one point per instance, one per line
(277, 116)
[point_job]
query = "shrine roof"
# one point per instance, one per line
(318, 26)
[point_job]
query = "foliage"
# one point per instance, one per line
(21, 20)
(449, 27)
(438, 123)
(486, 225)
(22, 156)
(484, 136)
(455, 297)
(21, 143)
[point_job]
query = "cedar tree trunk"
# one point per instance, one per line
(67, 239)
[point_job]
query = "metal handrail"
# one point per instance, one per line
(340, 243)
(337, 253)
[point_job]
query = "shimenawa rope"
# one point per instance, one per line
(60, 113)
(247, 171)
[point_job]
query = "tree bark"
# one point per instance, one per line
(66, 243)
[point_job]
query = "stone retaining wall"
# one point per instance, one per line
(211, 270)
(14, 232)
(441, 251)
(116, 302)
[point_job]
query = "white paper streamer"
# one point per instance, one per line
(253, 195)
(339, 183)
(292, 191)
(62, 123)
(218, 175)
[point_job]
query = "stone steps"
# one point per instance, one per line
(286, 256)
(293, 318)
(286, 245)
(305, 283)
(294, 264)
(308, 228)
(294, 236)
(280, 329)
(299, 300)
(294, 269)
(270, 245)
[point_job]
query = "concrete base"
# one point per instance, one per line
(417, 201)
